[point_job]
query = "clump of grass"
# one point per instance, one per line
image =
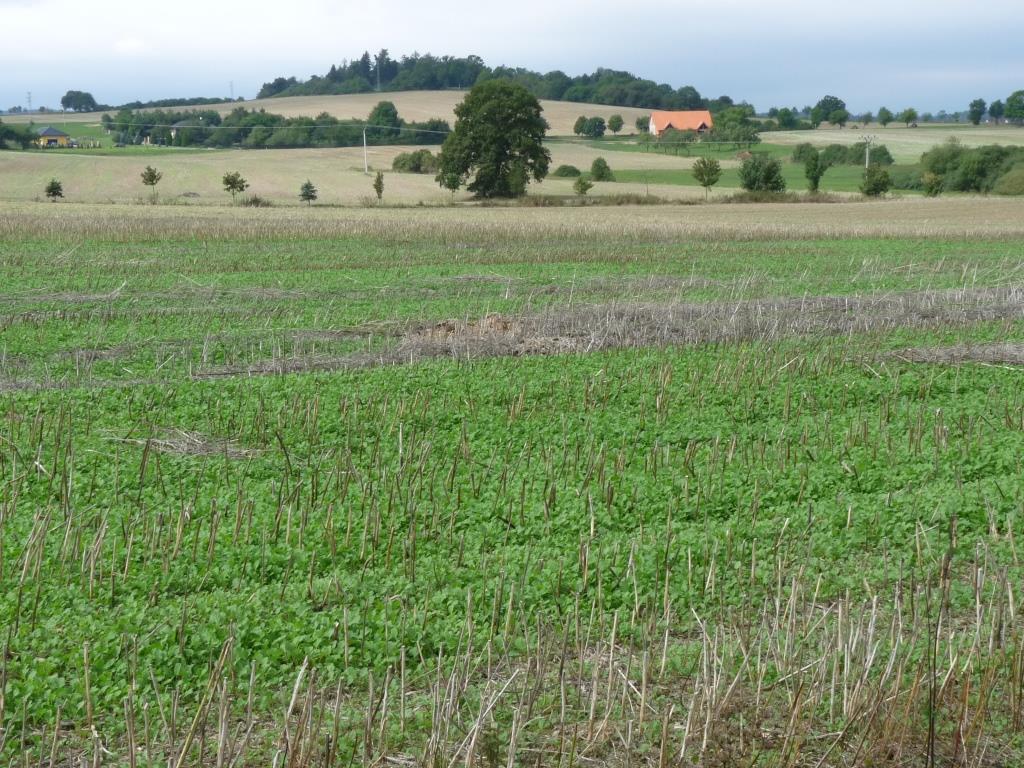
(783, 197)
(255, 201)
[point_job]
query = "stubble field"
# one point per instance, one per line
(717, 485)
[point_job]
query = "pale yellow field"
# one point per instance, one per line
(414, 106)
(195, 176)
(905, 144)
(911, 217)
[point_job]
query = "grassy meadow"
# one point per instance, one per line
(725, 485)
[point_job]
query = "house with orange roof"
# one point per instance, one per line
(698, 120)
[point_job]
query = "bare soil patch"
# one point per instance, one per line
(997, 353)
(186, 443)
(591, 328)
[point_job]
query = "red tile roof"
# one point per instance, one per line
(692, 120)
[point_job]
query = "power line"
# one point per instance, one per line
(214, 126)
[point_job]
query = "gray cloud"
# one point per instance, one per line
(937, 54)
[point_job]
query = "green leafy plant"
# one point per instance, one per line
(234, 183)
(54, 189)
(581, 186)
(707, 172)
(876, 181)
(762, 173)
(600, 170)
(307, 192)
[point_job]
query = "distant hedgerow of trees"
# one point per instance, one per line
(841, 154)
(259, 129)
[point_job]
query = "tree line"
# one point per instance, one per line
(1011, 110)
(258, 129)
(426, 72)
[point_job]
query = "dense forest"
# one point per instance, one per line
(419, 72)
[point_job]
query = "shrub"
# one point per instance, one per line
(420, 161)
(600, 171)
(835, 154)
(814, 169)
(255, 201)
(566, 172)
(931, 183)
(54, 189)
(908, 177)
(804, 152)
(762, 173)
(880, 155)
(944, 157)
(1011, 183)
(876, 181)
(581, 186)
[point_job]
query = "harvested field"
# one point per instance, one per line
(640, 486)
(460, 227)
(193, 178)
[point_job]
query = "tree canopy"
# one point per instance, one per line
(762, 173)
(1014, 109)
(78, 101)
(496, 147)
(976, 111)
(707, 171)
(382, 72)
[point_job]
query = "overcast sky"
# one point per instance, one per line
(932, 54)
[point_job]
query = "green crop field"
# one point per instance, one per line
(666, 486)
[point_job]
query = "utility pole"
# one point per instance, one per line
(231, 87)
(366, 165)
(868, 140)
(28, 97)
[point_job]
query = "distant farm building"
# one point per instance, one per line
(698, 120)
(51, 137)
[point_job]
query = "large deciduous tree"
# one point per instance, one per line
(384, 119)
(78, 101)
(1014, 109)
(496, 147)
(976, 111)
(908, 116)
(825, 107)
